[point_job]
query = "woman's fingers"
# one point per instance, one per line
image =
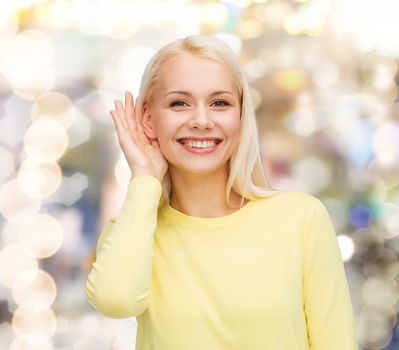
(117, 122)
(121, 113)
(139, 117)
(129, 108)
(139, 123)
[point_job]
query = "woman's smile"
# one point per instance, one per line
(190, 147)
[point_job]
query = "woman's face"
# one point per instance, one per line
(194, 111)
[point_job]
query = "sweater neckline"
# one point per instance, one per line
(200, 222)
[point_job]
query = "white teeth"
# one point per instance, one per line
(199, 144)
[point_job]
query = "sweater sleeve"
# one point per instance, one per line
(327, 301)
(118, 284)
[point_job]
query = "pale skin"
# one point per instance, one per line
(147, 133)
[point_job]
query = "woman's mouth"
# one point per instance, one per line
(203, 147)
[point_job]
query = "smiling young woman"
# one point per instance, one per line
(195, 98)
(204, 253)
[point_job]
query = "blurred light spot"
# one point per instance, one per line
(30, 343)
(25, 4)
(80, 130)
(26, 64)
(90, 323)
(62, 324)
(355, 132)
(232, 40)
(274, 13)
(9, 23)
(34, 285)
(55, 106)
(390, 93)
(95, 340)
(14, 259)
(370, 25)
(374, 329)
(293, 24)
(89, 16)
(15, 205)
(255, 68)
(71, 221)
(314, 173)
(291, 79)
(380, 293)
(212, 14)
(280, 149)
(39, 180)
(14, 124)
(376, 188)
(384, 267)
(389, 173)
(90, 107)
(389, 219)
(31, 319)
(239, 3)
(7, 165)
(346, 246)
(304, 115)
(130, 68)
(360, 216)
(42, 234)
(45, 140)
(384, 73)
(123, 341)
(8, 233)
(325, 74)
(386, 143)
(7, 335)
(56, 14)
(114, 19)
(369, 244)
(249, 29)
(345, 110)
(71, 189)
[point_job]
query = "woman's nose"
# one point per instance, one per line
(201, 118)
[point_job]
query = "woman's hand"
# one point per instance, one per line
(143, 155)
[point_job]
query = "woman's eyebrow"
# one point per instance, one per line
(189, 94)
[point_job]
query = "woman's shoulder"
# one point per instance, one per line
(290, 203)
(293, 197)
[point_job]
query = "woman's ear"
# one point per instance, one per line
(147, 122)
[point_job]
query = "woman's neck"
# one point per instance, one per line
(203, 196)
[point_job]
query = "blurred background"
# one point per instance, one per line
(324, 79)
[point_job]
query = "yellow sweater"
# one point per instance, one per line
(268, 276)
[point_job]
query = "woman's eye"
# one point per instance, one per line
(177, 103)
(224, 102)
(174, 103)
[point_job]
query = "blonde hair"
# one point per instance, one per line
(246, 171)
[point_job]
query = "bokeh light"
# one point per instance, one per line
(43, 235)
(34, 320)
(39, 180)
(14, 260)
(16, 205)
(45, 140)
(324, 83)
(34, 285)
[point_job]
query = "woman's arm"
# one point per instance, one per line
(118, 285)
(327, 301)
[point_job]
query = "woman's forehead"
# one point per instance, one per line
(191, 87)
(183, 69)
